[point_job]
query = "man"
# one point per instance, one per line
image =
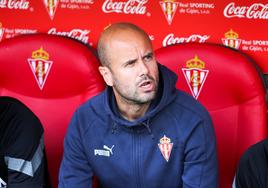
(252, 170)
(141, 131)
(22, 163)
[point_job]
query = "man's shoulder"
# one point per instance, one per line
(187, 102)
(94, 102)
(256, 150)
(89, 112)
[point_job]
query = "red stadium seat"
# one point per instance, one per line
(229, 85)
(52, 75)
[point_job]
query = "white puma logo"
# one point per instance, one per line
(109, 149)
(106, 152)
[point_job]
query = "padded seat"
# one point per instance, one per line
(231, 87)
(52, 75)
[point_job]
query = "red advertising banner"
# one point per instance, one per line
(238, 24)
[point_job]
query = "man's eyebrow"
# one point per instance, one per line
(130, 61)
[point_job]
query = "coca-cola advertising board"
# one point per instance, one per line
(238, 24)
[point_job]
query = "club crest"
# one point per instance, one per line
(169, 8)
(195, 75)
(165, 147)
(51, 6)
(40, 66)
(231, 39)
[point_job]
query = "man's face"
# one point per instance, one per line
(133, 68)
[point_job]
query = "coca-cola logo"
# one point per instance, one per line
(128, 7)
(170, 39)
(79, 34)
(255, 11)
(15, 4)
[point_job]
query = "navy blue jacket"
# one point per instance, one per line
(172, 145)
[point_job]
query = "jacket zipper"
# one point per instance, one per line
(137, 158)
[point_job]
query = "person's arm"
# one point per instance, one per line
(252, 169)
(27, 173)
(200, 165)
(75, 170)
(24, 157)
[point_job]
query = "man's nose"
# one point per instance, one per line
(144, 69)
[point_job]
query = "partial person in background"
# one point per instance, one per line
(252, 171)
(22, 158)
(141, 131)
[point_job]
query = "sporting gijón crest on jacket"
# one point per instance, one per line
(173, 145)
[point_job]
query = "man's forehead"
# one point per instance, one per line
(129, 46)
(128, 39)
(124, 45)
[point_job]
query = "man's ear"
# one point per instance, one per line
(107, 75)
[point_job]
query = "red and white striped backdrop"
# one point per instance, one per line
(237, 23)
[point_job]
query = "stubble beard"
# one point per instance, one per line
(134, 97)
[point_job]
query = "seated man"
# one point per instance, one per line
(141, 131)
(253, 167)
(22, 160)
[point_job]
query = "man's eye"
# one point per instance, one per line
(148, 58)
